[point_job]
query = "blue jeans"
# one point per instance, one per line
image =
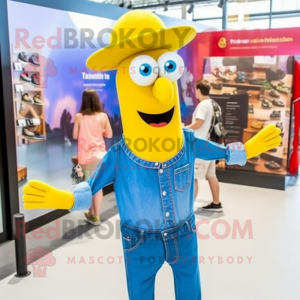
(145, 251)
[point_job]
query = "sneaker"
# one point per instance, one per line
(23, 58)
(276, 114)
(21, 122)
(28, 133)
(217, 86)
(26, 98)
(29, 122)
(35, 79)
(38, 136)
(213, 207)
(250, 109)
(34, 59)
(94, 220)
(274, 94)
(25, 77)
(37, 100)
(253, 160)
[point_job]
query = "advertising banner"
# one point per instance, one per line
(251, 74)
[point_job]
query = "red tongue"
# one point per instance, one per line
(159, 124)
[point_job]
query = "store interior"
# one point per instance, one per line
(254, 89)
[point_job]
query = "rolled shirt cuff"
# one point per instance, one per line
(82, 196)
(236, 154)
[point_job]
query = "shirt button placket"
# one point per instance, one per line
(166, 195)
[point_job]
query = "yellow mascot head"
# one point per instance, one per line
(143, 51)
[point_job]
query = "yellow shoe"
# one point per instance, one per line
(94, 220)
(257, 125)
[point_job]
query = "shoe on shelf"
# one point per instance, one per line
(257, 125)
(274, 94)
(240, 78)
(28, 133)
(276, 114)
(25, 77)
(272, 165)
(217, 86)
(23, 57)
(278, 103)
(254, 160)
(37, 100)
(273, 150)
(38, 136)
(35, 79)
(21, 122)
(94, 220)
(213, 207)
(29, 122)
(250, 109)
(26, 98)
(36, 121)
(34, 59)
(255, 82)
(279, 125)
(266, 104)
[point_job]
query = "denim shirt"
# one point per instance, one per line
(152, 195)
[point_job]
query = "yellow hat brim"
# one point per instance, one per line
(109, 58)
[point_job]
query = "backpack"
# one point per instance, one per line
(217, 130)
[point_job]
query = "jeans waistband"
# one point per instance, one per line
(185, 226)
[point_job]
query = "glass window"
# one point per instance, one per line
(285, 22)
(173, 12)
(280, 5)
(251, 7)
(217, 23)
(251, 24)
(207, 11)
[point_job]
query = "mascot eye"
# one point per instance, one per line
(171, 66)
(143, 70)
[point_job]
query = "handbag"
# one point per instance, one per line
(77, 174)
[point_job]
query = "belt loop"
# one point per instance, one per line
(188, 225)
(142, 236)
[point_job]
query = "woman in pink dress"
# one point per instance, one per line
(90, 127)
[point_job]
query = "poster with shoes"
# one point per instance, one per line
(266, 83)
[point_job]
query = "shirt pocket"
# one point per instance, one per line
(182, 178)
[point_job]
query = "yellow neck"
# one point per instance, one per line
(155, 148)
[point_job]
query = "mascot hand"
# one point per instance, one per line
(38, 195)
(266, 139)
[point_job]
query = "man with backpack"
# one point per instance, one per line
(207, 122)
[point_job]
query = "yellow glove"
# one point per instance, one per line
(38, 195)
(266, 139)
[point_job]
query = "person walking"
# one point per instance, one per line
(201, 124)
(91, 125)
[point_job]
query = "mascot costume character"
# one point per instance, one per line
(152, 166)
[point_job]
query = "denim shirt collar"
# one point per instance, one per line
(152, 164)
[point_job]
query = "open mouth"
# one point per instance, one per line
(158, 120)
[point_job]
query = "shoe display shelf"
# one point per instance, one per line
(26, 87)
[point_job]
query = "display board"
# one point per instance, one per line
(254, 92)
(56, 57)
(258, 64)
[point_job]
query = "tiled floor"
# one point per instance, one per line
(272, 274)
